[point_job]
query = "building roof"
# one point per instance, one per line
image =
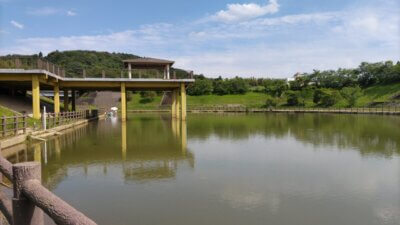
(148, 62)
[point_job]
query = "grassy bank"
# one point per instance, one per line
(372, 95)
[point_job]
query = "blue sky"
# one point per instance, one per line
(261, 38)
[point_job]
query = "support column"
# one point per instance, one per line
(168, 73)
(183, 101)
(123, 102)
(173, 105)
(56, 99)
(177, 105)
(66, 100)
(35, 97)
(129, 70)
(73, 101)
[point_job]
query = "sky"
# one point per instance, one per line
(249, 38)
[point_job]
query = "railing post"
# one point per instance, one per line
(103, 74)
(15, 125)
(24, 211)
(84, 73)
(4, 123)
(25, 123)
(44, 118)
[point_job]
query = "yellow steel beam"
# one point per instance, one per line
(123, 101)
(183, 101)
(35, 97)
(56, 99)
(13, 77)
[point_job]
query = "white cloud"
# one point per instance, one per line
(45, 11)
(17, 25)
(241, 12)
(278, 47)
(71, 13)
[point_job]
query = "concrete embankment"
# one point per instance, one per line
(19, 140)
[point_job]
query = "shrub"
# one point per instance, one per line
(292, 98)
(147, 96)
(200, 87)
(271, 102)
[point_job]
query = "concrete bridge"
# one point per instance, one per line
(45, 76)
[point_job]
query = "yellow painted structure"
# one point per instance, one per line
(123, 140)
(37, 80)
(35, 97)
(178, 105)
(183, 101)
(56, 98)
(123, 101)
(173, 105)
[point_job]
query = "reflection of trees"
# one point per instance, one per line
(368, 133)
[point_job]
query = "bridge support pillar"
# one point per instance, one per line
(73, 105)
(183, 101)
(66, 100)
(173, 105)
(56, 99)
(177, 104)
(123, 102)
(35, 97)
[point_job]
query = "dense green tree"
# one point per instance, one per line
(200, 87)
(292, 98)
(351, 94)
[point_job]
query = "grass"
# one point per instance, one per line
(4, 111)
(135, 103)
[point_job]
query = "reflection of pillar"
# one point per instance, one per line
(178, 128)
(173, 126)
(184, 137)
(178, 105)
(37, 155)
(57, 148)
(123, 139)
(173, 105)
(73, 101)
(56, 98)
(183, 101)
(35, 97)
(123, 102)
(66, 100)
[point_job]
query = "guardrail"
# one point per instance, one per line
(31, 63)
(13, 62)
(360, 110)
(13, 125)
(30, 198)
(58, 119)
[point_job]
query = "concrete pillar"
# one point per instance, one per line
(24, 211)
(183, 101)
(66, 100)
(178, 105)
(129, 70)
(35, 97)
(168, 73)
(73, 101)
(56, 98)
(173, 105)
(123, 102)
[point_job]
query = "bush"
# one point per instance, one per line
(330, 99)
(292, 98)
(200, 87)
(147, 96)
(351, 95)
(271, 102)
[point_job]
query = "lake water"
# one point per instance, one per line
(302, 169)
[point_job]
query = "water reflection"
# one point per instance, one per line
(227, 169)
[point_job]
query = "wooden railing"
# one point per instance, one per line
(30, 198)
(13, 125)
(62, 118)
